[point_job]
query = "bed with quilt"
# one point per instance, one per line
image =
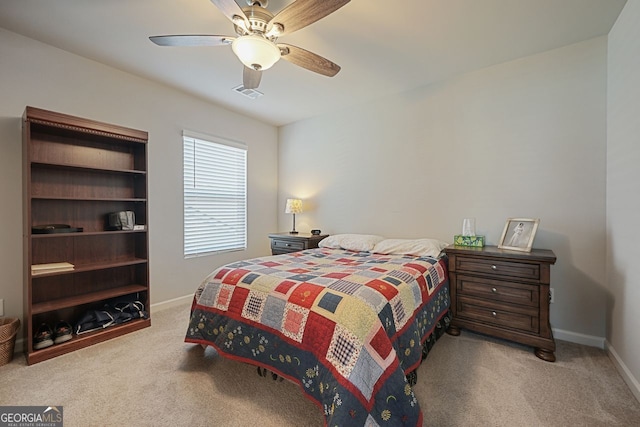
(349, 322)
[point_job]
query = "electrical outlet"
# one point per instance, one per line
(551, 296)
(1, 307)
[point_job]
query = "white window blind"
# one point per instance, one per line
(215, 196)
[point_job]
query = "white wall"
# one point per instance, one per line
(521, 139)
(39, 75)
(623, 190)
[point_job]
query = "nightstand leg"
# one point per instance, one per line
(544, 354)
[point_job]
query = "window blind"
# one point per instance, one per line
(215, 196)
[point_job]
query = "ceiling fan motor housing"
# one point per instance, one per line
(258, 18)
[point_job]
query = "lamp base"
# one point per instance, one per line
(293, 232)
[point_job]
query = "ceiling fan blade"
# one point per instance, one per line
(251, 78)
(310, 61)
(301, 13)
(194, 40)
(231, 9)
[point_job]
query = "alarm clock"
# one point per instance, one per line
(315, 232)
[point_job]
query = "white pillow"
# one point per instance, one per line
(351, 242)
(416, 247)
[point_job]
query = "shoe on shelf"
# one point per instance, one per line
(43, 337)
(62, 332)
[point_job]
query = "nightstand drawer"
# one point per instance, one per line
(284, 243)
(497, 268)
(287, 245)
(494, 290)
(520, 318)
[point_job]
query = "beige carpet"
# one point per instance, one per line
(152, 378)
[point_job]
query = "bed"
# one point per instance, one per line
(349, 326)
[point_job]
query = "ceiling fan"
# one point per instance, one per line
(257, 31)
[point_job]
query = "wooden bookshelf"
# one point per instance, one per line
(76, 171)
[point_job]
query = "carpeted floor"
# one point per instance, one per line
(152, 378)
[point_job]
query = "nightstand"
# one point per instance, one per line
(284, 243)
(502, 293)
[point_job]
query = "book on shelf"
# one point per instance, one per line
(51, 267)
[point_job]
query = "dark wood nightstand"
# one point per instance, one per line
(502, 293)
(284, 243)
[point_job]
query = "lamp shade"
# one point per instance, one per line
(294, 206)
(256, 52)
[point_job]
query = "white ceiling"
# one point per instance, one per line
(383, 47)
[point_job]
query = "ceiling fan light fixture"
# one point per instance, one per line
(256, 52)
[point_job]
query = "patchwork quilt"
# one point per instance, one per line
(346, 326)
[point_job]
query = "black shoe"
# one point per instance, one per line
(43, 337)
(62, 333)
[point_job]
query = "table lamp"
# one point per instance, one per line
(294, 206)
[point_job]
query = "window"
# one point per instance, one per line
(215, 195)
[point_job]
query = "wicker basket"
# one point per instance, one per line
(8, 330)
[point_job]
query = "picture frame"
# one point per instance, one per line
(518, 234)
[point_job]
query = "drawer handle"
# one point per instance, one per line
(494, 267)
(494, 314)
(494, 290)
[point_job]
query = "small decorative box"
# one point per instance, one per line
(460, 240)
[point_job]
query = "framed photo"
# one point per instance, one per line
(518, 234)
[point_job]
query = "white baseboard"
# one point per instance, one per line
(574, 337)
(601, 342)
(163, 305)
(626, 374)
(19, 347)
